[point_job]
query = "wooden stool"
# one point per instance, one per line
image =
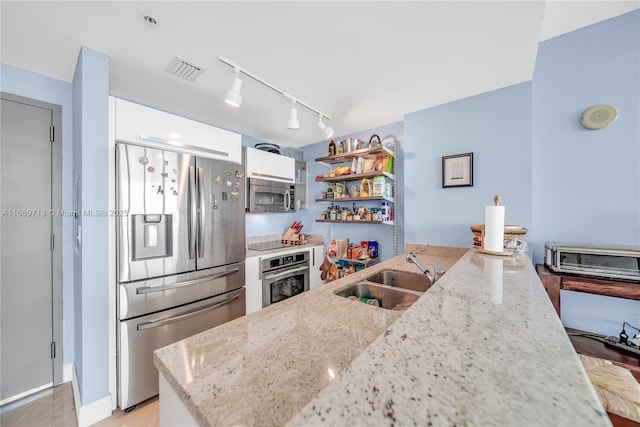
(617, 389)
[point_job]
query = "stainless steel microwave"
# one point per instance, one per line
(265, 196)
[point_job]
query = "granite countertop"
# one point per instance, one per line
(483, 346)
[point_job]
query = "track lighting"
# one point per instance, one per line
(327, 130)
(293, 122)
(234, 98)
(233, 95)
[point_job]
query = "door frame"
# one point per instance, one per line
(56, 227)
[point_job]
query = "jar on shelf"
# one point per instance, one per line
(378, 186)
(333, 214)
(329, 193)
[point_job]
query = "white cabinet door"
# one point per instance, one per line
(317, 257)
(253, 283)
(274, 167)
(148, 126)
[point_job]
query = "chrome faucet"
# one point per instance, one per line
(437, 270)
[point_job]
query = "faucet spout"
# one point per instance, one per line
(437, 270)
(412, 258)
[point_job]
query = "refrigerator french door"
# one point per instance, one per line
(180, 255)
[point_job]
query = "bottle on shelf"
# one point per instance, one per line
(386, 212)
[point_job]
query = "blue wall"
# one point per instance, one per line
(586, 183)
(496, 127)
(36, 86)
(91, 291)
(556, 178)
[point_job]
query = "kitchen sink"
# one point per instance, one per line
(389, 297)
(399, 279)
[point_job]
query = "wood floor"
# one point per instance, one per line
(55, 408)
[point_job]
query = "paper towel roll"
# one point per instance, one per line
(493, 239)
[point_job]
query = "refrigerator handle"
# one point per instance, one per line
(158, 323)
(287, 201)
(202, 211)
(148, 289)
(191, 212)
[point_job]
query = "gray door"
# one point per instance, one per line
(30, 190)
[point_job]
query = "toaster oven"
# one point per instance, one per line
(604, 261)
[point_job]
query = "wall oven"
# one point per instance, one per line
(269, 196)
(284, 276)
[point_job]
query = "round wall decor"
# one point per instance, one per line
(599, 116)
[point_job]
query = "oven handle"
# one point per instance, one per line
(149, 289)
(151, 325)
(286, 272)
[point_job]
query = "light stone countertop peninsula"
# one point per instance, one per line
(482, 347)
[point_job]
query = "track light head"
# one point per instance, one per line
(293, 122)
(327, 130)
(233, 95)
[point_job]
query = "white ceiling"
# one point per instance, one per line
(364, 64)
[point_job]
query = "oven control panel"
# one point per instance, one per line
(284, 260)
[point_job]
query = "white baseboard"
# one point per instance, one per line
(94, 411)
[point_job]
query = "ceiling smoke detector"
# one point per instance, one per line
(184, 69)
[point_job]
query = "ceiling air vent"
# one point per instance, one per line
(184, 69)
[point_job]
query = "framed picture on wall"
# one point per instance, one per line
(457, 170)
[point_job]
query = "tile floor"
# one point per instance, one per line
(55, 408)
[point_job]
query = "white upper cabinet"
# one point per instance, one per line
(147, 126)
(274, 167)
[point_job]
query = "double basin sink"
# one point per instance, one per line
(394, 290)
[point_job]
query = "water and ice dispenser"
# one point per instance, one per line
(152, 237)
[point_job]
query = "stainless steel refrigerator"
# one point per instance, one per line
(180, 255)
